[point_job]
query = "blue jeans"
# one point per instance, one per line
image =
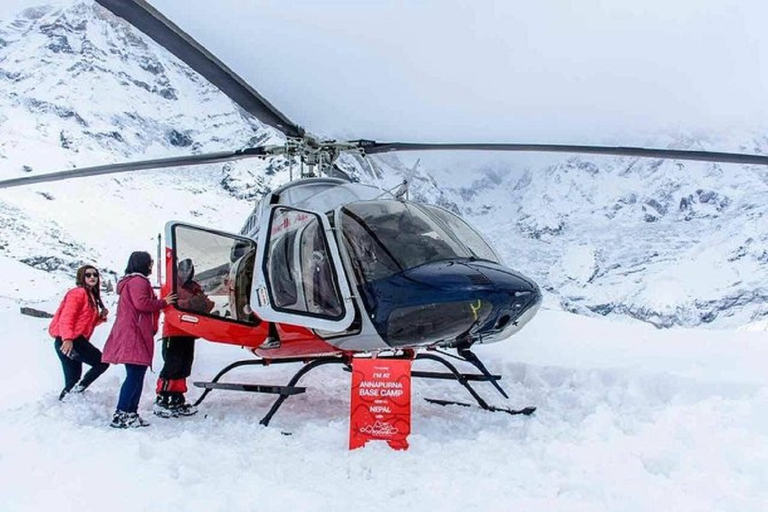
(130, 392)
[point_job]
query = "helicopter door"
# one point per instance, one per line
(212, 274)
(299, 278)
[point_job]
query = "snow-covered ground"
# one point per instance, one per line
(630, 418)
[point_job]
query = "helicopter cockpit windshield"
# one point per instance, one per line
(386, 237)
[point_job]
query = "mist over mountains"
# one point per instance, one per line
(665, 242)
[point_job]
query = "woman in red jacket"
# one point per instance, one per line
(72, 325)
(131, 340)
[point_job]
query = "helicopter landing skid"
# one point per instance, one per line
(290, 389)
(527, 411)
(253, 388)
(284, 391)
(464, 379)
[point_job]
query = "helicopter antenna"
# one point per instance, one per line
(372, 171)
(402, 191)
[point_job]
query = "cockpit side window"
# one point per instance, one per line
(371, 259)
(462, 232)
(390, 236)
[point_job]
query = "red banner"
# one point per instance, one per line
(381, 402)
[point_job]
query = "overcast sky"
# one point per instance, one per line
(554, 71)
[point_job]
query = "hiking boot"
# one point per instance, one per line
(172, 406)
(77, 389)
(180, 405)
(123, 419)
(186, 409)
(119, 420)
(163, 407)
(136, 421)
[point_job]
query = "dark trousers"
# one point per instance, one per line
(82, 352)
(178, 356)
(130, 391)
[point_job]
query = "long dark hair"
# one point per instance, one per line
(94, 294)
(139, 262)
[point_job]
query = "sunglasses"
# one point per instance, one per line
(91, 274)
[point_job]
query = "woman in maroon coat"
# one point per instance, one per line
(131, 340)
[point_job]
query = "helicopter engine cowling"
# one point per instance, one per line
(450, 303)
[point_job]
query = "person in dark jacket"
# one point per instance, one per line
(79, 313)
(131, 340)
(179, 347)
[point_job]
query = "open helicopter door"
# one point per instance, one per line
(299, 278)
(212, 273)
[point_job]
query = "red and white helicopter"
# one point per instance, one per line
(324, 269)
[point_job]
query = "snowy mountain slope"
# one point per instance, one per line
(664, 242)
(671, 243)
(88, 84)
(81, 87)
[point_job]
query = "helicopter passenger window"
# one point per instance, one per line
(320, 293)
(210, 273)
(282, 270)
(300, 274)
(240, 295)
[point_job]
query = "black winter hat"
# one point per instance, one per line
(186, 270)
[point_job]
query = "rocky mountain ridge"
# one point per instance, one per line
(669, 243)
(664, 242)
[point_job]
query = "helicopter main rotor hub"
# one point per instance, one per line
(313, 153)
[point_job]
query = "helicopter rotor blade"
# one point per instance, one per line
(151, 22)
(372, 148)
(160, 163)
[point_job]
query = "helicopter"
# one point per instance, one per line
(325, 269)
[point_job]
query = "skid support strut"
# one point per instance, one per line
(299, 374)
(464, 355)
(284, 391)
(464, 380)
(210, 386)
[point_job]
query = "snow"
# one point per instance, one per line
(578, 264)
(629, 418)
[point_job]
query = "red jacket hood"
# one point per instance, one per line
(124, 280)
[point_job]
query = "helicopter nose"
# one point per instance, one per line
(452, 302)
(523, 299)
